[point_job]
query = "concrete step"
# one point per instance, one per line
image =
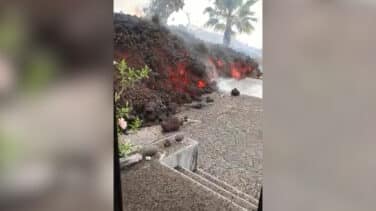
(227, 187)
(220, 188)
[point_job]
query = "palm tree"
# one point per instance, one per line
(229, 14)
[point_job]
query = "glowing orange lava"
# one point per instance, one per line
(235, 73)
(179, 77)
(220, 63)
(201, 84)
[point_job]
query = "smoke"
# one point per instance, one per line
(248, 86)
(206, 43)
(228, 62)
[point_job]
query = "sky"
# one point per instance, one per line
(195, 10)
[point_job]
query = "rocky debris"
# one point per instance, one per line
(178, 67)
(170, 124)
(197, 98)
(179, 137)
(235, 92)
(130, 160)
(173, 70)
(149, 150)
(209, 99)
(154, 112)
(187, 98)
(197, 105)
(151, 111)
(256, 74)
(148, 158)
(167, 143)
(172, 107)
(213, 86)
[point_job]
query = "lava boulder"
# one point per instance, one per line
(173, 107)
(235, 92)
(167, 143)
(179, 137)
(170, 124)
(209, 99)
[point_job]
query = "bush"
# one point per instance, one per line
(127, 77)
(136, 124)
(126, 148)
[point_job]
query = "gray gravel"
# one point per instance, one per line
(153, 186)
(230, 137)
(229, 132)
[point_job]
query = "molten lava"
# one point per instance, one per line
(201, 84)
(220, 63)
(235, 73)
(239, 70)
(181, 79)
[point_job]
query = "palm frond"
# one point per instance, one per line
(233, 12)
(248, 18)
(245, 10)
(228, 5)
(243, 26)
(249, 3)
(220, 27)
(209, 10)
(244, 13)
(215, 12)
(211, 22)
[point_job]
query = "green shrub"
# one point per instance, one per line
(136, 124)
(126, 148)
(127, 77)
(123, 112)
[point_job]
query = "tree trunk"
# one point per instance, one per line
(227, 35)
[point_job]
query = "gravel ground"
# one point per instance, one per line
(156, 187)
(229, 132)
(230, 137)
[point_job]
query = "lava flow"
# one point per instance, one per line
(201, 84)
(183, 68)
(235, 69)
(181, 79)
(235, 73)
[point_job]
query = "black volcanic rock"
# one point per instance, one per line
(178, 63)
(179, 137)
(209, 99)
(170, 124)
(235, 92)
